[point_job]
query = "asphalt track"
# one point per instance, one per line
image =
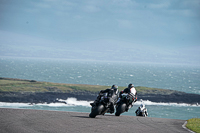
(42, 121)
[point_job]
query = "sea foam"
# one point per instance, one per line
(74, 102)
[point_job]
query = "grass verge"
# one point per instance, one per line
(19, 85)
(194, 124)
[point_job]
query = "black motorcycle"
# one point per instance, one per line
(123, 104)
(101, 107)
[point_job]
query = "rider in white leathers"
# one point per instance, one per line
(141, 111)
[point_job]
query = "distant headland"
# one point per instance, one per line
(32, 91)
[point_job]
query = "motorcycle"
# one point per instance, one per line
(141, 111)
(101, 107)
(123, 104)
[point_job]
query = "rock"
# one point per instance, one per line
(52, 97)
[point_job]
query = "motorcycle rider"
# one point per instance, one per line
(131, 89)
(112, 93)
(141, 109)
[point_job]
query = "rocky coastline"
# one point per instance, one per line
(52, 93)
(52, 97)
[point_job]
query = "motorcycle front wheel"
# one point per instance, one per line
(96, 111)
(120, 109)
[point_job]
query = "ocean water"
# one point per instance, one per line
(184, 78)
(159, 110)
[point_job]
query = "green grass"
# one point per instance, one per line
(9, 85)
(148, 90)
(17, 85)
(194, 124)
(5, 82)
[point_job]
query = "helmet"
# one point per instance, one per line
(114, 86)
(142, 105)
(130, 86)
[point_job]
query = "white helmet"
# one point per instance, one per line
(142, 106)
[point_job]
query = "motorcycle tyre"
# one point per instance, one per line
(96, 111)
(121, 109)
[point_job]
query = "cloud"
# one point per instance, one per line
(125, 23)
(164, 5)
(43, 5)
(145, 21)
(91, 8)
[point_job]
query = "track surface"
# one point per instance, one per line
(40, 121)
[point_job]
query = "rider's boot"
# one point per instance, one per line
(94, 103)
(118, 100)
(128, 108)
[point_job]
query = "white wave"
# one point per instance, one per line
(51, 104)
(74, 102)
(5, 104)
(147, 102)
(68, 102)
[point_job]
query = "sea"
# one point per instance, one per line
(180, 77)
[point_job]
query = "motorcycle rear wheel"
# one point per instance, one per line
(96, 111)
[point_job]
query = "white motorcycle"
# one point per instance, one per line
(141, 111)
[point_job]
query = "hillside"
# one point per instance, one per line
(19, 90)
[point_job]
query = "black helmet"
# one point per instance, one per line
(130, 86)
(114, 86)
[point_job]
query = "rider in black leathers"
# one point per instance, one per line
(113, 94)
(130, 89)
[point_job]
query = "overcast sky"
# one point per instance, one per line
(158, 23)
